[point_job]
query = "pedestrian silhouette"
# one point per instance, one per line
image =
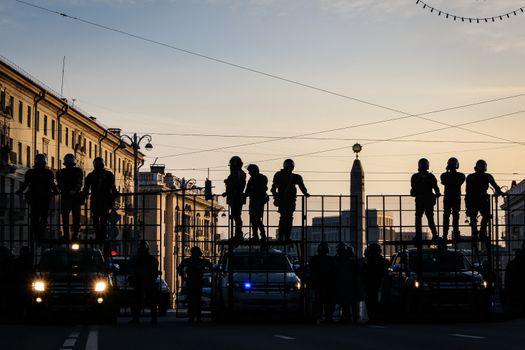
(40, 182)
(192, 270)
(70, 181)
(145, 270)
(235, 184)
(477, 200)
(515, 283)
(425, 190)
(374, 270)
(348, 282)
(284, 192)
(101, 183)
(452, 179)
(323, 282)
(256, 191)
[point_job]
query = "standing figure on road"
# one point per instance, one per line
(192, 270)
(41, 183)
(452, 179)
(256, 191)
(323, 281)
(477, 199)
(101, 183)
(374, 271)
(235, 184)
(70, 181)
(425, 190)
(145, 270)
(284, 192)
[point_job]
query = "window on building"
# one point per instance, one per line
(106, 156)
(28, 156)
(111, 160)
(2, 99)
(20, 153)
(73, 138)
(20, 112)
(12, 105)
(28, 116)
(119, 165)
(89, 150)
(96, 149)
(52, 162)
(53, 128)
(45, 124)
(67, 136)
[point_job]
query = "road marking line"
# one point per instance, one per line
(92, 340)
(374, 326)
(69, 343)
(467, 336)
(283, 337)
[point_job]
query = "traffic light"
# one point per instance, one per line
(207, 190)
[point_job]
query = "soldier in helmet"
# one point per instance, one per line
(70, 180)
(425, 190)
(256, 191)
(235, 184)
(284, 193)
(145, 270)
(192, 270)
(323, 270)
(101, 183)
(452, 179)
(41, 183)
(477, 199)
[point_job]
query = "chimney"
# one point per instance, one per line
(158, 168)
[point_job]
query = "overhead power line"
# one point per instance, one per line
(455, 17)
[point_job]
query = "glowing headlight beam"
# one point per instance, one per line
(100, 286)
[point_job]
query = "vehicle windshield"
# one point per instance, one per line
(260, 262)
(82, 260)
(440, 262)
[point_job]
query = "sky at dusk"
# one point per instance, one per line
(336, 72)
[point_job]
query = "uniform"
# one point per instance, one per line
(194, 268)
(256, 191)
(452, 180)
(235, 184)
(70, 181)
(423, 186)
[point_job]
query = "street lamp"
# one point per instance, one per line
(135, 141)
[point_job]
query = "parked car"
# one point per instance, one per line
(438, 279)
(251, 279)
(74, 279)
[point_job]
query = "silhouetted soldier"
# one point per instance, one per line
(348, 282)
(477, 199)
(284, 194)
(323, 282)
(192, 270)
(425, 190)
(452, 180)
(256, 191)
(41, 183)
(70, 181)
(145, 270)
(374, 270)
(235, 184)
(515, 281)
(101, 183)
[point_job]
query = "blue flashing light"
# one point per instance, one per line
(247, 285)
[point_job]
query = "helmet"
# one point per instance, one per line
(196, 252)
(351, 251)
(481, 166)
(40, 160)
(69, 159)
(322, 248)
(423, 164)
(288, 164)
(236, 162)
(253, 168)
(98, 163)
(341, 248)
(373, 249)
(452, 163)
(143, 247)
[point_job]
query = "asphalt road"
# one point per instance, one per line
(173, 333)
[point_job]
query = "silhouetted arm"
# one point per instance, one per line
(26, 182)
(437, 191)
(494, 185)
(301, 185)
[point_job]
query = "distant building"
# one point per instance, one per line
(514, 208)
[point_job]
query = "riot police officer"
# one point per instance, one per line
(285, 194)
(256, 191)
(70, 181)
(101, 183)
(192, 270)
(41, 183)
(235, 184)
(477, 199)
(452, 179)
(145, 270)
(425, 190)
(323, 281)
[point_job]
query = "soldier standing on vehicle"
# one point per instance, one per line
(256, 191)
(101, 183)
(425, 190)
(235, 184)
(42, 187)
(284, 192)
(452, 179)
(374, 270)
(192, 270)
(477, 199)
(323, 282)
(145, 271)
(70, 181)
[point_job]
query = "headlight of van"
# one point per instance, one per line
(100, 286)
(38, 286)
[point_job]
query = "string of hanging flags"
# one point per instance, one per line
(455, 17)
